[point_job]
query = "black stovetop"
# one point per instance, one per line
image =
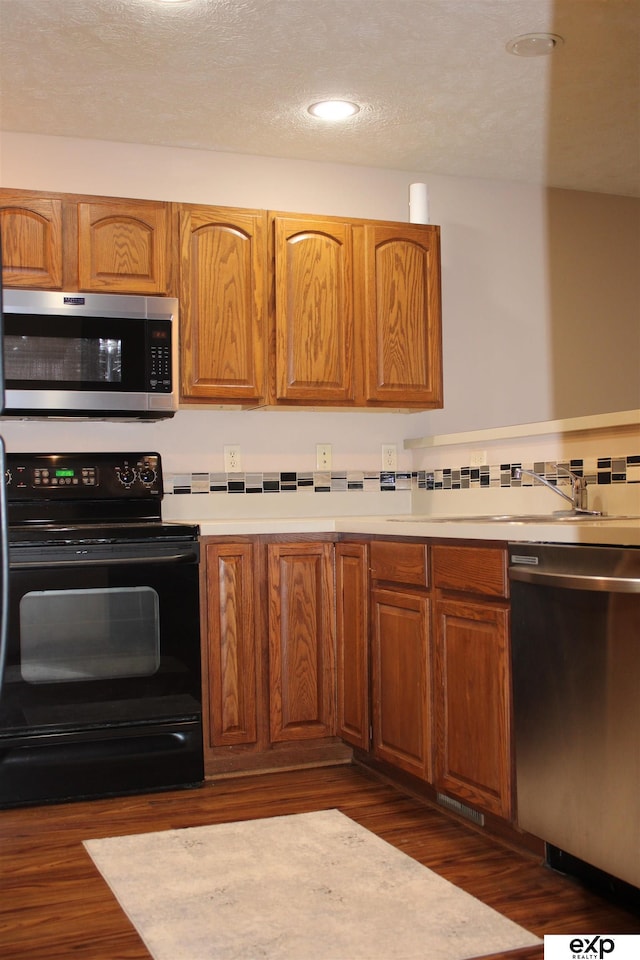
(87, 498)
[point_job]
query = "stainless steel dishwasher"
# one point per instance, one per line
(576, 691)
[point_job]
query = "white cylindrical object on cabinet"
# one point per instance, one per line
(418, 203)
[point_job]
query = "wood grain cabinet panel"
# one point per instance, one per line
(480, 570)
(400, 562)
(472, 670)
(301, 641)
(401, 668)
(124, 246)
(92, 244)
(352, 638)
(472, 704)
(402, 314)
(31, 231)
(313, 264)
(222, 305)
(232, 652)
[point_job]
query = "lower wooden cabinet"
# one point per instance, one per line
(301, 641)
(401, 656)
(268, 662)
(472, 670)
(401, 674)
(352, 637)
(397, 648)
(231, 665)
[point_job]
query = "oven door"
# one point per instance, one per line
(102, 671)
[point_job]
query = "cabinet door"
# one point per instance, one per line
(401, 680)
(352, 636)
(301, 641)
(123, 246)
(230, 664)
(313, 310)
(403, 315)
(222, 304)
(472, 704)
(31, 230)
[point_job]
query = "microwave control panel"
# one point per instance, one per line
(160, 379)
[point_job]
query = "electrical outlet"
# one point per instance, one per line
(323, 456)
(478, 458)
(232, 459)
(389, 456)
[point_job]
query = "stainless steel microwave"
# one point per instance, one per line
(90, 355)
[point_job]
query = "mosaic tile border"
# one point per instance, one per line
(597, 470)
(288, 482)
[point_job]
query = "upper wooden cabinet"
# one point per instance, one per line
(31, 230)
(222, 304)
(356, 313)
(123, 246)
(276, 309)
(93, 244)
(402, 315)
(313, 265)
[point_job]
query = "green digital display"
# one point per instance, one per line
(64, 472)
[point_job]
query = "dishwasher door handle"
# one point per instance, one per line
(575, 581)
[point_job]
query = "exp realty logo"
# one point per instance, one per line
(584, 949)
(592, 947)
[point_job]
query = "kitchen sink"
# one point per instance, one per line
(517, 518)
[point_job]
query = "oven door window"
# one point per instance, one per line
(93, 634)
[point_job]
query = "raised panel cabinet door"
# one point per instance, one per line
(124, 246)
(401, 667)
(402, 312)
(31, 230)
(472, 705)
(352, 641)
(313, 310)
(231, 644)
(301, 641)
(222, 304)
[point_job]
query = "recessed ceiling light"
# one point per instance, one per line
(534, 44)
(333, 109)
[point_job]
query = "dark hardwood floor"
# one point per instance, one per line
(54, 904)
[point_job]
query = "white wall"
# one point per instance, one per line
(497, 299)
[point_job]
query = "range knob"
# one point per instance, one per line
(126, 476)
(147, 474)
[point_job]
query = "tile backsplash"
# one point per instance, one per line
(600, 471)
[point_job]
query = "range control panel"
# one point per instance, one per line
(85, 476)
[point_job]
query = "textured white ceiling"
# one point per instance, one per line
(439, 92)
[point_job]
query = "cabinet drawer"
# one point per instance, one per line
(480, 570)
(399, 562)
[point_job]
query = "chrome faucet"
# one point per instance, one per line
(578, 498)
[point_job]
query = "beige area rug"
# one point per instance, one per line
(312, 886)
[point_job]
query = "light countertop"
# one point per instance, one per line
(619, 530)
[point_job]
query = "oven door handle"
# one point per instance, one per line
(572, 581)
(4, 554)
(104, 561)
